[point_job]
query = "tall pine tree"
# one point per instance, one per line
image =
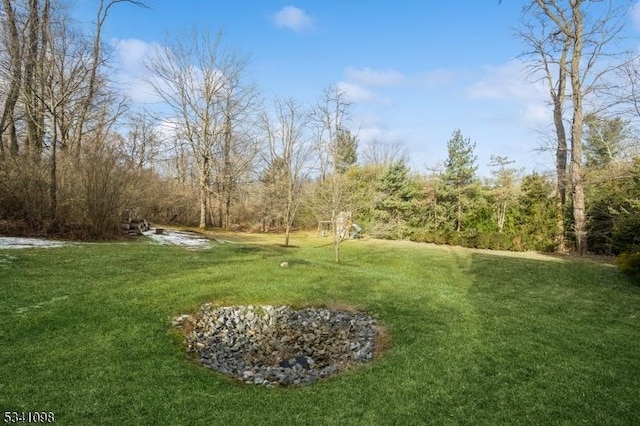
(460, 172)
(346, 150)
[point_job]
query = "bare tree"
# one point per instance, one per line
(626, 93)
(33, 57)
(330, 116)
(14, 51)
(191, 75)
(72, 92)
(57, 95)
(63, 80)
(142, 145)
(433, 191)
(289, 152)
(25, 38)
(504, 187)
(384, 154)
(548, 53)
(97, 57)
(573, 36)
(237, 148)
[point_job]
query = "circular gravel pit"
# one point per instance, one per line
(278, 345)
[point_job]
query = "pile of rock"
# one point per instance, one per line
(271, 346)
(132, 224)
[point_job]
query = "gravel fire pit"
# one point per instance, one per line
(277, 345)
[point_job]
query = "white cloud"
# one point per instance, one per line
(510, 84)
(507, 82)
(372, 127)
(379, 134)
(130, 54)
(360, 84)
(293, 18)
(374, 134)
(372, 78)
(356, 92)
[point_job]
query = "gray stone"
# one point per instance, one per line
(272, 346)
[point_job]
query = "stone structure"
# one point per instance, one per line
(273, 346)
(132, 224)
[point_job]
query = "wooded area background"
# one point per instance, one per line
(74, 153)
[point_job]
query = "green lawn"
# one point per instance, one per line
(475, 338)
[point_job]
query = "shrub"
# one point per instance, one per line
(475, 239)
(24, 192)
(501, 241)
(629, 264)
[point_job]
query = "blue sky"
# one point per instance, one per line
(415, 70)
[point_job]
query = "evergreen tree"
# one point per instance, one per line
(347, 150)
(460, 173)
(394, 201)
(361, 186)
(537, 212)
(613, 202)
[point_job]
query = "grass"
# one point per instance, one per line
(475, 337)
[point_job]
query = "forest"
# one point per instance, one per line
(75, 152)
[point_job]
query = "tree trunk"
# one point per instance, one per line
(577, 185)
(227, 169)
(287, 223)
(53, 188)
(579, 215)
(90, 93)
(334, 222)
(34, 144)
(336, 240)
(15, 55)
(459, 211)
(289, 209)
(287, 232)
(227, 210)
(561, 162)
(42, 78)
(220, 203)
(204, 193)
(335, 207)
(502, 214)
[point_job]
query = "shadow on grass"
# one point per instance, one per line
(556, 341)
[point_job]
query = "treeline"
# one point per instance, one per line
(61, 162)
(508, 210)
(74, 153)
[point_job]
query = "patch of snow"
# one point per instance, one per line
(22, 243)
(179, 238)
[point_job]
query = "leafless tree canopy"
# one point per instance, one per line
(75, 152)
(203, 86)
(287, 159)
(572, 43)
